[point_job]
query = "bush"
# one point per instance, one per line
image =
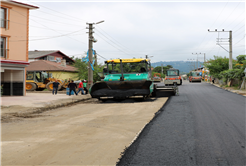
(231, 74)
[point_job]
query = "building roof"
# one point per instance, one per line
(39, 53)
(20, 4)
(43, 65)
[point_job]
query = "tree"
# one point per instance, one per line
(169, 66)
(241, 59)
(238, 69)
(217, 65)
(83, 70)
(158, 69)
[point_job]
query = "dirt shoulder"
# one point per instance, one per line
(13, 108)
(232, 89)
(89, 133)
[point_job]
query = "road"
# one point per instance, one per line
(204, 125)
(88, 133)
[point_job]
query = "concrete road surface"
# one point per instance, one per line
(204, 125)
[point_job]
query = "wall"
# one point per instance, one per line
(18, 32)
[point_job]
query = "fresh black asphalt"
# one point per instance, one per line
(204, 125)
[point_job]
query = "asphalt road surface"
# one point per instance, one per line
(204, 125)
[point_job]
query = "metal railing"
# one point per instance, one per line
(4, 23)
(4, 53)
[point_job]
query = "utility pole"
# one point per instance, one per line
(91, 40)
(90, 72)
(196, 60)
(192, 64)
(161, 68)
(230, 50)
(221, 40)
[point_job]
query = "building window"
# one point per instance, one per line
(3, 47)
(58, 60)
(4, 18)
(50, 58)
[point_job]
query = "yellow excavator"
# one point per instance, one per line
(39, 80)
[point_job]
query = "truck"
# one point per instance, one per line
(157, 77)
(172, 77)
(195, 76)
(125, 78)
(40, 80)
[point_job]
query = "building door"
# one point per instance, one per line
(12, 82)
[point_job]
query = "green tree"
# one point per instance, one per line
(231, 74)
(82, 68)
(238, 69)
(169, 66)
(241, 59)
(217, 65)
(158, 69)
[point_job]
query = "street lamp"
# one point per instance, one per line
(99, 22)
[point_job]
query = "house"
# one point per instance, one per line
(52, 55)
(56, 69)
(14, 46)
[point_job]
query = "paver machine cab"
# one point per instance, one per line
(39, 80)
(125, 78)
(195, 76)
(173, 77)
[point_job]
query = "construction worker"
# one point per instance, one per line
(85, 84)
(81, 88)
(55, 87)
(72, 87)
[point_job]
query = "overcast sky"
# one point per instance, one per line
(163, 30)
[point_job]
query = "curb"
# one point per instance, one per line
(31, 111)
(54, 106)
(229, 90)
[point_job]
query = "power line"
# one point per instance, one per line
(53, 21)
(243, 21)
(102, 56)
(114, 41)
(49, 37)
(70, 18)
(238, 29)
(220, 13)
(48, 27)
(230, 13)
(56, 21)
(213, 24)
(240, 39)
(113, 45)
(59, 12)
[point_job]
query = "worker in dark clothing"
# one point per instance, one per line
(72, 86)
(55, 87)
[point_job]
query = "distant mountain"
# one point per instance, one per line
(183, 66)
